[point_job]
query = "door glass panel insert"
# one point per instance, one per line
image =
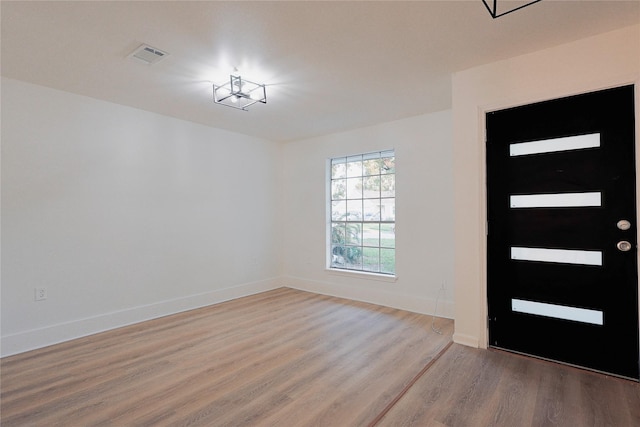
(559, 200)
(555, 144)
(584, 315)
(563, 256)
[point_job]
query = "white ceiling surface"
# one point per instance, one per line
(329, 66)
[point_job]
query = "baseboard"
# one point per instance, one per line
(467, 340)
(42, 337)
(440, 308)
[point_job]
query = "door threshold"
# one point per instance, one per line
(558, 362)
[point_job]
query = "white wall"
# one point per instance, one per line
(604, 61)
(125, 215)
(424, 223)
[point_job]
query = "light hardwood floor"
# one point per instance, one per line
(473, 387)
(291, 358)
(281, 358)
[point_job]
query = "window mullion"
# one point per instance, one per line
(355, 252)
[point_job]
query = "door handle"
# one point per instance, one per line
(623, 246)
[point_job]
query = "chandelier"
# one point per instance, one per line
(239, 93)
(493, 9)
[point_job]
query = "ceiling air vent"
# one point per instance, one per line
(147, 54)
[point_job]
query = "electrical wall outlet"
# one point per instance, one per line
(41, 294)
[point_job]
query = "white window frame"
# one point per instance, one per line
(361, 214)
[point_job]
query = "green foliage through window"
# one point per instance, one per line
(362, 209)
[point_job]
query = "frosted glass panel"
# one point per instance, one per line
(553, 145)
(556, 200)
(563, 256)
(584, 315)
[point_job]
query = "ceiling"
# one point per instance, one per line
(328, 66)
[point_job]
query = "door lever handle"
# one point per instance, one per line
(623, 246)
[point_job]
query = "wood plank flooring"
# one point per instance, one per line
(281, 358)
(292, 358)
(473, 387)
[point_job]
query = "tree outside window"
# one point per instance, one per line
(362, 208)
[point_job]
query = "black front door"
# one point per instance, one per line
(562, 251)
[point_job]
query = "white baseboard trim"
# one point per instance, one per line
(42, 337)
(467, 340)
(388, 299)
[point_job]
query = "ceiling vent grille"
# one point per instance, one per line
(147, 54)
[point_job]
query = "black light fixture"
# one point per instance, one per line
(239, 93)
(493, 8)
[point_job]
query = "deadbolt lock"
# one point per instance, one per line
(623, 225)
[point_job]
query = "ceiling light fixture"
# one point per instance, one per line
(239, 93)
(493, 10)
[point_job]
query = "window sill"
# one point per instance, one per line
(362, 275)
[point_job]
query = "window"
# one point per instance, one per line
(362, 205)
